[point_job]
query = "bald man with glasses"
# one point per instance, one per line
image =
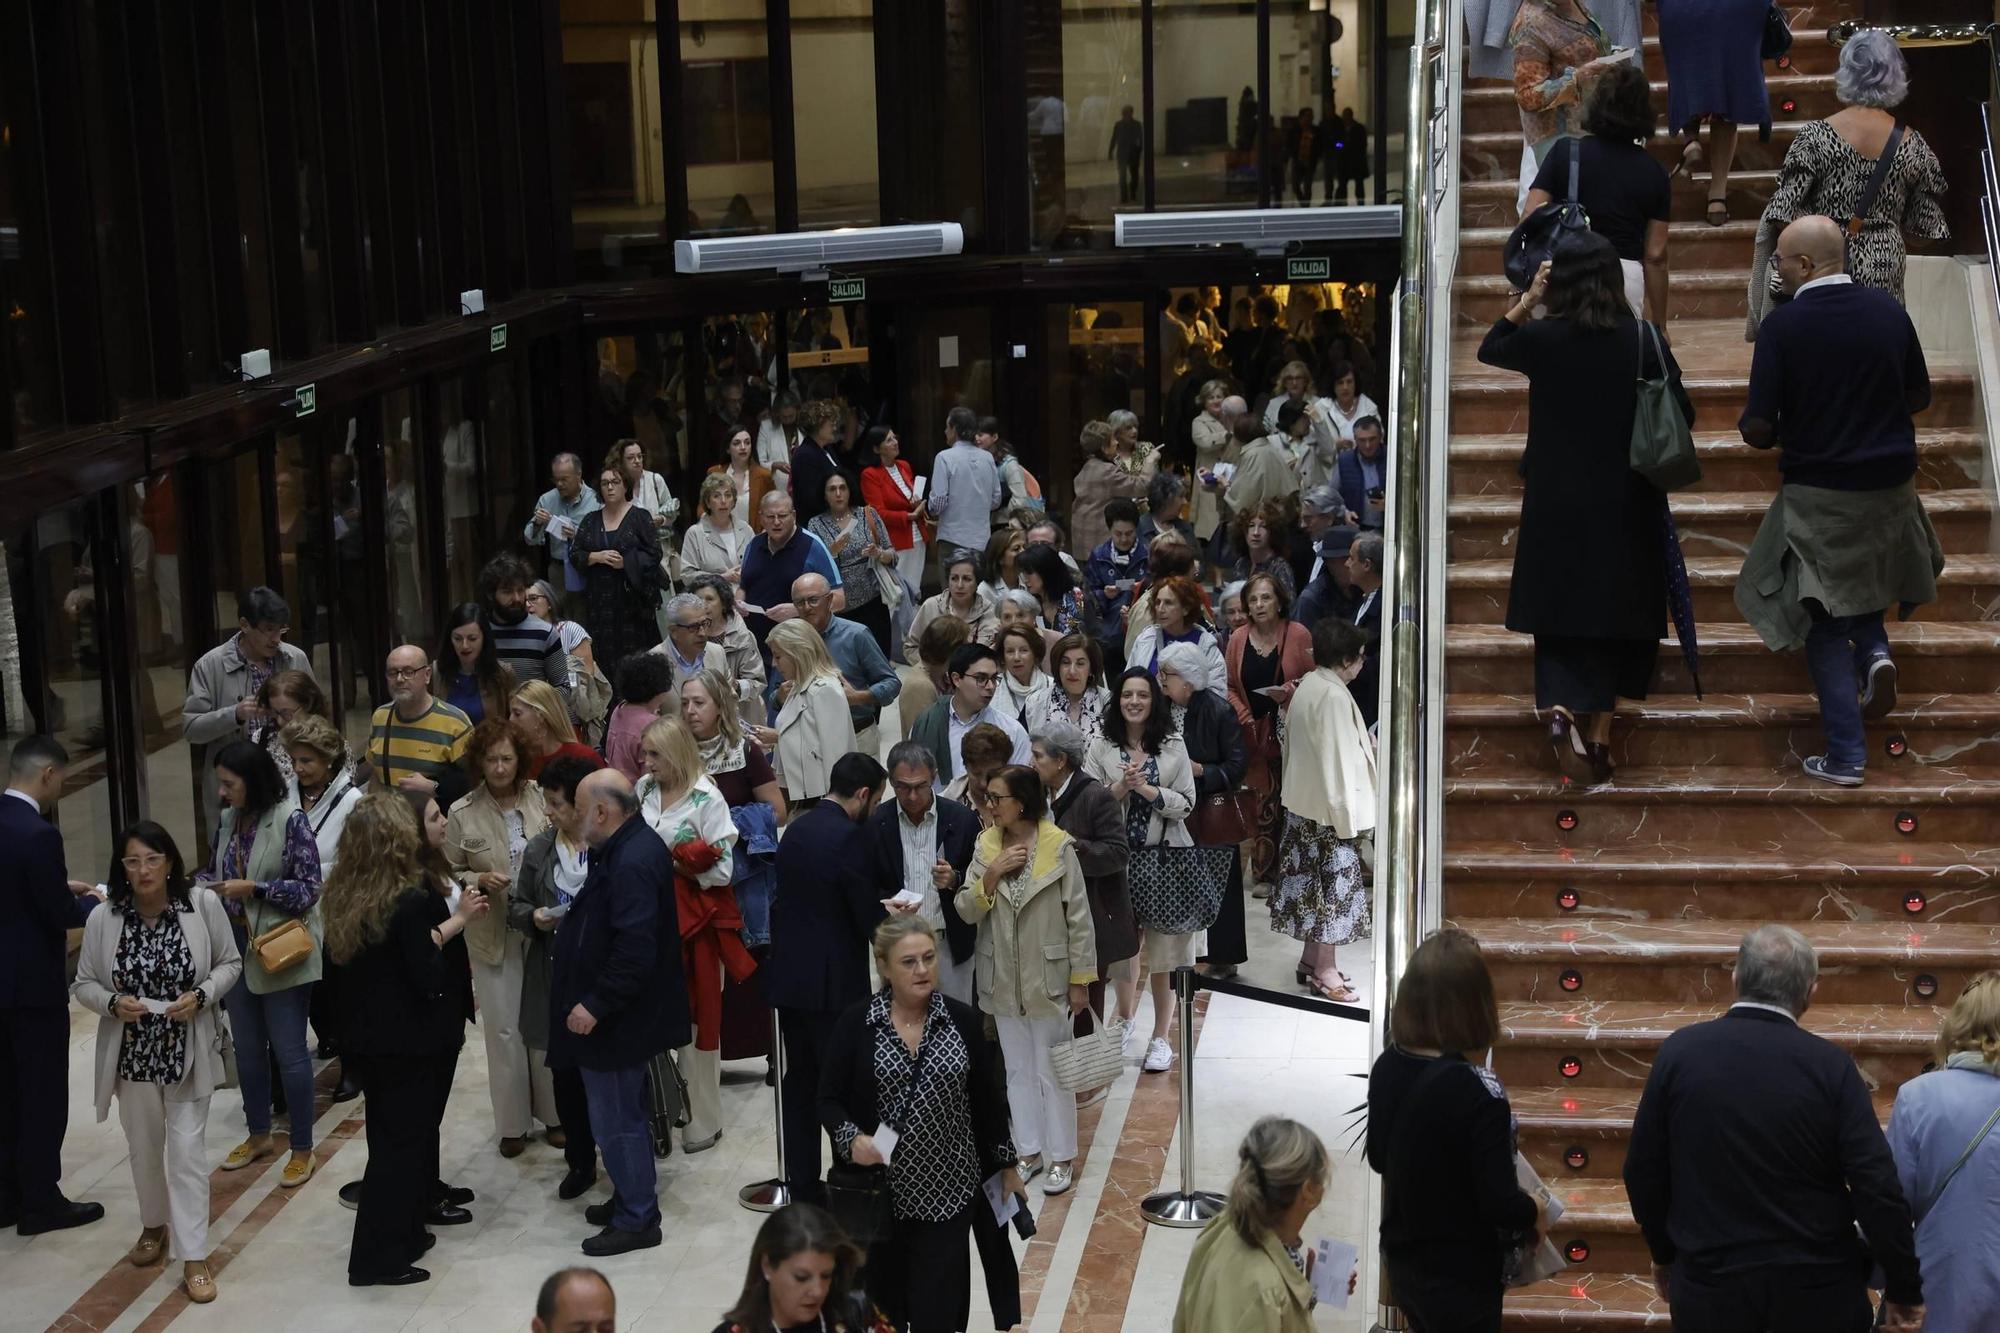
(416, 741)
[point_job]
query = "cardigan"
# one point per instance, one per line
(1295, 659)
(475, 841)
(217, 964)
(1169, 820)
(1329, 761)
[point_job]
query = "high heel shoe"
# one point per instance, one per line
(1601, 768)
(1571, 756)
(1690, 159)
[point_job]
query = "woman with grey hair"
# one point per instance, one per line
(739, 646)
(1213, 444)
(1828, 167)
(1166, 510)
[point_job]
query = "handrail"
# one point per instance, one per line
(1917, 34)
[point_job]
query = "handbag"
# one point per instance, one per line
(886, 577)
(666, 1101)
(1662, 444)
(1777, 35)
(1178, 890)
(1087, 1063)
(225, 1046)
(1225, 818)
(1534, 240)
(858, 1196)
(284, 946)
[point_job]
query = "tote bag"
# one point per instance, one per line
(1087, 1063)
(1178, 890)
(1662, 444)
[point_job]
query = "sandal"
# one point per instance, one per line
(1714, 204)
(1345, 995)
(1691, 157)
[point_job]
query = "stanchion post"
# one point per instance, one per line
(768, 1196)
(1186, 1206)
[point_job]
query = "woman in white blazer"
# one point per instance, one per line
(157, 959)
(1142, 760)
(814, 726)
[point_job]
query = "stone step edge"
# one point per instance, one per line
(1923, 863)
(1959, 500)
(1586, 1300)
(1639, 1024)
(1479, 447)
(1466, 709)
(1920, 638)
(1603, 1112)
(1780, 129)
(1725, 785)
(1707, 279)
(1486, 381)
(1737, 230)
(1787, 80)
(1722, 570)
(1934, 943)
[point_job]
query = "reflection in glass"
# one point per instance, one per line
(459, 444)
(611, 91)
(163, 657)
(1204, 136)
(1098, 351)
(410, 618)
(827, 358)
(1080, 81)
(833, 113)
(359, 657)
(726, 118)
(1299, 95)
(301, 555)
(239, 556)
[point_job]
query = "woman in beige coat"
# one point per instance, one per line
(1104, 477)
(485, 836)
(1033, 962)
(157, 958)
(961, 598)
(814, 727)
(1248, 1270)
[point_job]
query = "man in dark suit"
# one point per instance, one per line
(1328, 592)
(616, 1000)
(823, 911)
(1754, 1152)
(1364, 575)
(1363, 473)
(39, 904)
(920, 846)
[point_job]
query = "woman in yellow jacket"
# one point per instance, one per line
(1248, 1271)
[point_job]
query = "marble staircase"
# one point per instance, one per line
(1610, 916)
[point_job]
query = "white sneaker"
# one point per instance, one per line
(1129, 1040)
(1159, 1056)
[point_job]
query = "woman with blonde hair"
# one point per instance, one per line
(715, 541)
(679, 802)
(814, 727)
(541, 719)
(1249, 1267)
(1109, 470)
(1213, 443)
(403, 1019)
(487, 831)
(1943, 1134)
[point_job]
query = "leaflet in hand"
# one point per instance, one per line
(155, 1006)
(1335, 1263)
(886, 1138)
(1003, 1201)
(563, 528)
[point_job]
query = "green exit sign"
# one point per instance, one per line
(496, 338)
(1311, 269)
(839, 291)
(306, 400)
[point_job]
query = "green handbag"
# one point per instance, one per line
(1662, 444)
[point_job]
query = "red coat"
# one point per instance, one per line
(711, 940)
(880, 492)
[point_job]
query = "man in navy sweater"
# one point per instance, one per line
(1754, 1152)
(1836, 378)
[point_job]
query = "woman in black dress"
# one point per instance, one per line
(1590, 567)
(618, 553)
(395, 941)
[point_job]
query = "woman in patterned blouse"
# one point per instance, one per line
(155, 959)
(910, 1081)
(267, 870)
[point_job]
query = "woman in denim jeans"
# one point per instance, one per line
(267, 870)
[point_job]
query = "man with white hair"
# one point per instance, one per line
(1755, 1152)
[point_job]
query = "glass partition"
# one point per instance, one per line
(726, 116)
(1204, 121)
(833, 113)
(411, 617)
(611, 93)
(235, 491)
(164, 655)
(1097, 359)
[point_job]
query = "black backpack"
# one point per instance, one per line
(1534, 240)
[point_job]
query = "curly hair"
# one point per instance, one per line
(817, 413)
(1872, 72)
(1188, 593)
(496, 731)
(1275, 527)
(318, 735)
(376, 867)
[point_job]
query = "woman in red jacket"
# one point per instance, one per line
(1267, 658)
(889, 487)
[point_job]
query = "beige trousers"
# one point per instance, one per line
(523, 1090)
(169, 1164)
(703, 1072)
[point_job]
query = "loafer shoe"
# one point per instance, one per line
(513, 1147)
(599, 1214)
(71, 1213)
(575, 1183)
(1829, 770)
(198, 1281)
(447, 1215)
(246, 1152)
(407, 1277)
(612, 1241)
(350, 1194)
(1061, 1176)
(146, 1251)
(299, 1168)
(456, 1195)
(1028, 1170)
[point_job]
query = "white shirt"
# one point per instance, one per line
(1759, 1004)
(919, 855)
(1830, 280)
(956, 727)
(20, 795)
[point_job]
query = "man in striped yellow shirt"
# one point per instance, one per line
(416, 741)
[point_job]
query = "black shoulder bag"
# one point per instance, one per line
(1534, 240)
(858, 1196)
(1858, 219)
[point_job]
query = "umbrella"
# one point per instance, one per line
(1680, 598)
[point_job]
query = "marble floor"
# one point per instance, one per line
(1094, 1267)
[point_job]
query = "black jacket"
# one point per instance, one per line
(37, 910)
(826, 905)
(402, 995)
(1214, 740)
(618, 954)
(1367, 687)
(957, 828)
(1095, 822)
(1755, 1144)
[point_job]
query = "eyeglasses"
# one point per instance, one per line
(913, 788)
(992, 797)
(703, 623)
(809, 601)
(150, 861)
(983, 677)
(404, 673)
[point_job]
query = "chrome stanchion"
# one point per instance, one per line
(768, 1196)
(1186, 1206)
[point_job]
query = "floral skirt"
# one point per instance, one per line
(1319, 897)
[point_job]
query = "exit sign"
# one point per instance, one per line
(496, 338)
(1314, 269)
(839, 291)
(306, 400)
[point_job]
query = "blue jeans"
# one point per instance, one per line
(618, 1122)
(273, 1023)
(1838, 650)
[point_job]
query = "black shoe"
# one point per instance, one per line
(347, 1089)
(575, 1183)
(447, 1215)
(430, 1239)
(612, 1241)
(350, 1194)
(456, 1195)
(324, 1051)
(599, 1214)
(407, 1277)
(71, 1213)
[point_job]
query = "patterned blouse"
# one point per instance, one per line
(863, 527)
(296, 888)
(153, 963)
(935, 1171)
(1139, 810)
(1548, 48)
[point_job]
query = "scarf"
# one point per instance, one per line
(1973, 1060)
(719, 756)
(1022, 695)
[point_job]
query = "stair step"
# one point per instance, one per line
(1614, 1040)
(1932, 657)
(1491, 106)
(1496, 154)
(1968, 587)
(1587, 1300)
(1946, 460)
(1488, 401)
(1493, 203)
(1483, 527)
(1710, 805)
(1502, 733)
(1711, 293)
(1692, 247)
(1861, 962)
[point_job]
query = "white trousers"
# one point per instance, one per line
(169, 1164)
(1635, 286)
(954, 979)
(703, 1072)
(910, 564)
(1044, 1115)
(523, 1090)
